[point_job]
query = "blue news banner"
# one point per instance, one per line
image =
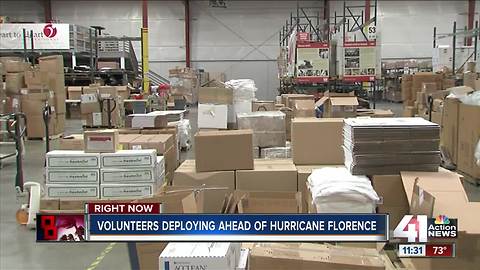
(238, 227)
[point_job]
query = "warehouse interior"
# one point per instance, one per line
(239, 103)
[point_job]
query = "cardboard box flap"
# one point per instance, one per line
(344, 101)
(224, 133)
(321, 101)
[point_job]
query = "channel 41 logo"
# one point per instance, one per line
(419, 228)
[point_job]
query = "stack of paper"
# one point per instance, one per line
(390, 145)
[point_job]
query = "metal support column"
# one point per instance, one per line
(367, 10)
(471, 15)
(187, 33)
(454, 46)
(144, 35)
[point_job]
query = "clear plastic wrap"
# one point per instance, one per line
(268, 127)
(243, 89)
(185, 133)
(335, 190)
(472, 99)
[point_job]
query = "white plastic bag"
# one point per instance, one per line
(185, 133)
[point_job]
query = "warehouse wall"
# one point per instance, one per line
(242, 40)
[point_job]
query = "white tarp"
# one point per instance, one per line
(46, 36)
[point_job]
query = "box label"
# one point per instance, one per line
(126, 191)
(73, 176)
(97, 119)
(72, 162)
(144, 175)
(100, 143)
(72, 191)
(140, 160)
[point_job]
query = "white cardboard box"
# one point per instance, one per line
(79, 191)
(72, 159)
(129, 176)
(72, 176)
(129, 158)
(208, 256)
(212, 116)
(114, 191)
(242, 263)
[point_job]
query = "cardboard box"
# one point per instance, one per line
(129, 158)
(223, 150)
(84, 191)
(131, 175)
(72, 176)
(304, 108)
(72, 159)
(428, 88)
(125, 139)
(108, 65)
(121, 191)
(49, 204)
(317, 141)
(264, 202)
(160, 142)
(341, 107)
(12, 66)
(34, 79)
(303, 256)
(263, 106)
(72, 142)
(468, 137)
(89, 104)
(92, 119)
(268, 127)
(268, 175)
(449, 130)
(409, 111)
(215, 95)
(51, 64)
(186, 175)
(123, 91)
(148, 254)
(469, 79)
(406, 86)
(212, 116)
(199, 256)
(74, 92)
(14, 82)
(56, 82)
(146, 121)
(288, 98)
(392, 196)
(101, 141)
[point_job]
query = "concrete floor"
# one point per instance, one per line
(18, 249)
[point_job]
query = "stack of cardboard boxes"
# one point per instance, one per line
(103, 171)
(338, 105)
(34, 87)
(102, 106)
(184, 84)
(213, 105)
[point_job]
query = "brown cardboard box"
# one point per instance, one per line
(292, 97)
(14, 82)
(260, 105)
(448, 83)
(108, 92)
(288, 121)
(260, 202)
(36, 126)
(303, 256)
(468, 137)
(393, 199)
(469, 79)
(160, 142)
(215, 95)
(12, 66)
(72, 142)
(108, 65)
(129, 131)
(268, 175)
(409, 111)
(33, 103)
(59, 103)
(341, 107)
(304, 108)
(146, 121)
(449, 130)
(60, 123)
(34, 79)
(89, 104)
(148, 254)
(51, 64)
(49, 204)
(74, 92)
(123, 91)
(429, 87)
(101, 141)
(442, 193)
(421, 98)
(268, 127)
(56, 82)
(224, 150)
(186, 175)
(125, 139)
(317, 141)
(406, 86)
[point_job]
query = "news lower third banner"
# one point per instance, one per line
(122, 224)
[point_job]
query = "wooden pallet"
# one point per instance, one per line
(52, 137)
